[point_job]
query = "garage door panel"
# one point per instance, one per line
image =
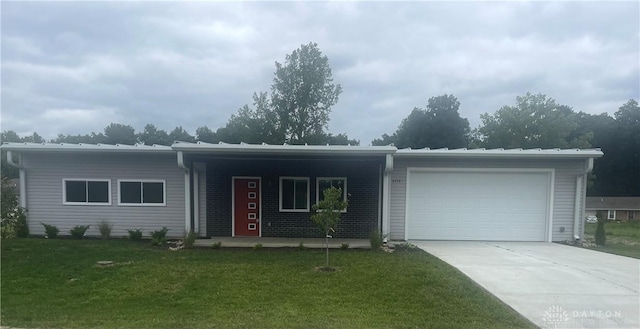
(506, 206)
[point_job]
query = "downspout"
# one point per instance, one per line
(386, 211)
(23, 181)
(187, 192)
(580, 195)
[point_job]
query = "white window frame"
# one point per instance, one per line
(280, 194)
(142, 204)
(86, 180)
(609, 213)
(344, 194)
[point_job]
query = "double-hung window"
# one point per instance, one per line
(323, 183)
(294, 194)
(141, 192)
(86, 191)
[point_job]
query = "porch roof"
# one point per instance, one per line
(285, 149)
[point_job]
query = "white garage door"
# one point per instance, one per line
(498, 206)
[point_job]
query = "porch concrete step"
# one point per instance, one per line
(314, 243)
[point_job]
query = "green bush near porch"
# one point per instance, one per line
(56, 283)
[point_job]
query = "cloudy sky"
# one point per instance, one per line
(75, 67)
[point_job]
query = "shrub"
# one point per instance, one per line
(376, 240)
(301, 246)
(22, 228)
(159, 237)
(258, 246)
(50, 231)
(189, 239)
(79, 231)
(217, 245)
(105, 229)
(8, 228)
(135, 234)
(344, 246)
(601, 235)
(406, 247)
(13, 219)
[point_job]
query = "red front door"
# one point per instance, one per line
(246, 206)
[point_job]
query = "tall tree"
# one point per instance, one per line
(303, 93)
(7, 170)
(297, 111)
(253, 125)
(180, 135)
(602, 128)
(205, 134)
(117, 133)
(536, 121)
(152, 135)
(440, 125)
(627, 146)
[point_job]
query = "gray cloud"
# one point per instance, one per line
(73, 67)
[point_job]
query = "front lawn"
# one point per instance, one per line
(623, 238)
(56, 284)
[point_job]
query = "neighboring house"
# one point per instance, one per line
(268, 190)
(614, 208)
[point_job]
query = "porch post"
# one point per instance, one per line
(187, 192)
(386, 212)
(196, 201)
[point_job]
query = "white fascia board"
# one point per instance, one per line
(105, 148)
(283, 149)
(500, 153)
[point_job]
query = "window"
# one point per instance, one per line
(611, 214)
(141, 192)
(86, 191)
(324, 183)
(294, 194)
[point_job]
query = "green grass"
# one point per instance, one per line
(55, 284)
(622, 238)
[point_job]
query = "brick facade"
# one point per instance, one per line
(363, 186)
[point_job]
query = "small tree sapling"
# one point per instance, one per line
(327, 213)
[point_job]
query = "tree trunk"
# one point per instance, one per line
(326, 237)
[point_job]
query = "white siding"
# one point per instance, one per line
(45, 171)
(566, 172)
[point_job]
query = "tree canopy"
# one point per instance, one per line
(536, 121)
(303, 93)
(438, 126)
(298, 108)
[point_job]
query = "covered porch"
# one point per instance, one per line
(269, 190)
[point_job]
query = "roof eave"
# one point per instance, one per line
(284, 150)
(85, 149)
(449, 154)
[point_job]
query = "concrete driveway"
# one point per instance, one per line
(553, 285)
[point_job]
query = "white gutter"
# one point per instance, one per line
(268, 149)
(386, 200)
(187, 192)
(23, 181)
(103, 148)
(499, 153)
(580, 195)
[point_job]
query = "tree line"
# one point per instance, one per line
(297, 109)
